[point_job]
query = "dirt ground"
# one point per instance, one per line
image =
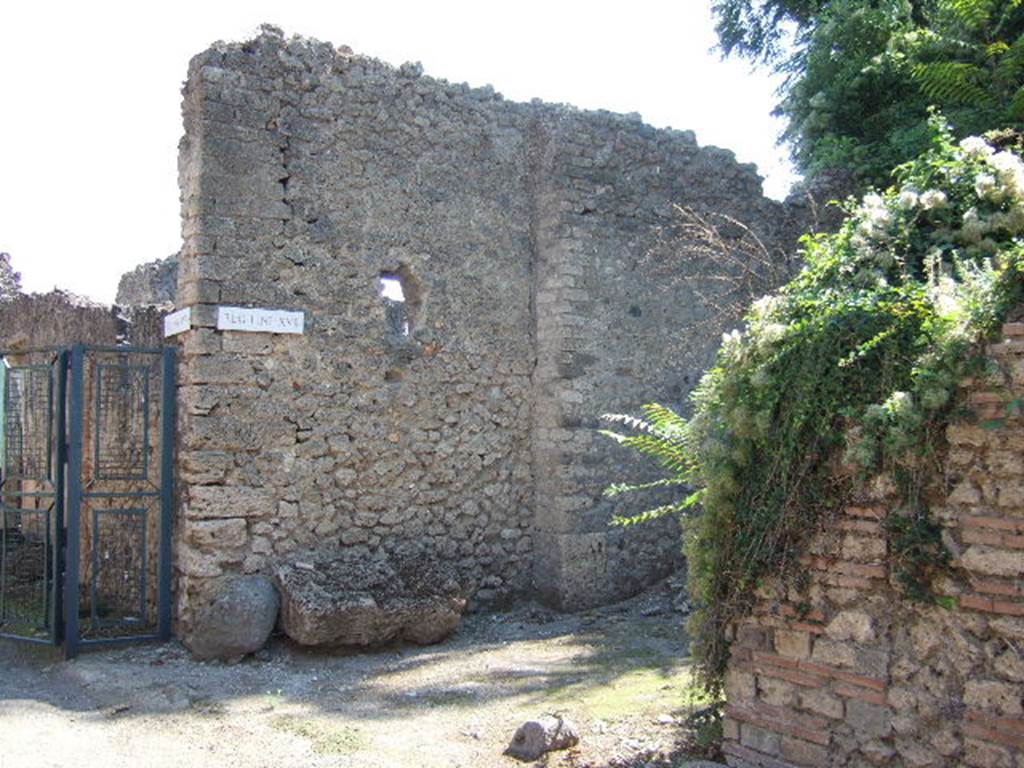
(621, 674)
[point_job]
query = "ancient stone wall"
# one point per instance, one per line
(59, 319)
(609, 319)
(55, 319)
(845, 672)
(461, 419)
(154, 283)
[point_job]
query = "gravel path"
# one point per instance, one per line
(619, 673)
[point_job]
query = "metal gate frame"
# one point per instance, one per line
(56, 372)
(68, 418)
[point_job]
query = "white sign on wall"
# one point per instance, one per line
(259, 320)
(177, 322)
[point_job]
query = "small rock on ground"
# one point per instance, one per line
(535, 737)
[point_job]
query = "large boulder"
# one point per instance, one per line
(339, 599)
(237, 621)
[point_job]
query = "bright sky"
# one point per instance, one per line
(90, 102)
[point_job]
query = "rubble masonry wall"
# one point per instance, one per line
(517, 231)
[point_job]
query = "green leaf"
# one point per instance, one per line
(946, 601)
(617, 489)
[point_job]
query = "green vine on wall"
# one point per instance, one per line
(918, 555)
(848, 371)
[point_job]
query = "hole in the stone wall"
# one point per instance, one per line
(402, 297)
(389, 286)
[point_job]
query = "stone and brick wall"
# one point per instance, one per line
(517, 232)
(845, 672)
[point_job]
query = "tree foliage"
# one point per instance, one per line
(853, 364)
(861, 76)
(10, 281)
(757, 29)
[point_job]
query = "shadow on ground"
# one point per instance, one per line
(622, 673)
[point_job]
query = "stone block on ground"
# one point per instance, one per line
(340, 599)
(237, 621)
(535, 737)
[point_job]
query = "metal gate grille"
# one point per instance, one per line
(86, 493)
(31, 493)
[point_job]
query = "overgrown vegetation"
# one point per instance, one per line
(860, 76)
(849, 370)
(718, 261)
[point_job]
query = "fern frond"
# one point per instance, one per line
(657, 512)
(617, 437)
(664, 419)
(661, 421)
(952, 82)
(617, 489)
(643, 517)
(670, 456)
(972, 14)
(630, 421)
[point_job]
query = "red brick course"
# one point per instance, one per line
(988, 731)
(1002, 540)
(998, 523)
(783, 720)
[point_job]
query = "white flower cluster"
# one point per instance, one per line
(1003, 178)
(765, 328)
(765, 308)
(873, 230)
(974, 227)
(733, 338)
(933, 199)
(733, 347)
(975, 148)
(999, 183)
(909, 198)
(876, 218)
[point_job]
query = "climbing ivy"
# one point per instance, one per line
(849, 370)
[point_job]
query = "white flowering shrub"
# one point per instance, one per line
(854, 363)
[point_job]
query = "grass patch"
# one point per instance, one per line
(325, 738)
(642, 691)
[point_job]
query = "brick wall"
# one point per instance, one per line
(844, 672)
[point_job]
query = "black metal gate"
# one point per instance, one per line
(86, 440)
